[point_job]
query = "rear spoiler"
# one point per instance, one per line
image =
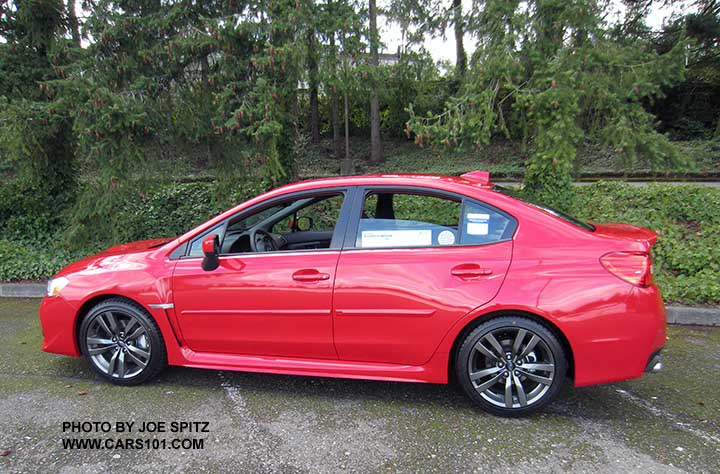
(619, 230)
(480, 177)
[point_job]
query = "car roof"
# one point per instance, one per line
(474, 181)
(399, 179)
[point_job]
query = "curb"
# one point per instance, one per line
(693, 316)
(684, 315)
(23, 290)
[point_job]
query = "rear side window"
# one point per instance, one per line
(483, 224)
(396, 220)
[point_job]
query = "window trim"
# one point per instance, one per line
(189, 244)
(359, 204)
(338, 234)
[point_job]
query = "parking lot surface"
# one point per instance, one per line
(667, 422)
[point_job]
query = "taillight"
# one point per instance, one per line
(633, 267)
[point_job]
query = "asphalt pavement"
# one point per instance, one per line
(667, 422)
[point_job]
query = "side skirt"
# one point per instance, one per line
(435, 371)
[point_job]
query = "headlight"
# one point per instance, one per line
(56, 285)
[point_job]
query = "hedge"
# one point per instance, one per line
(687, 219)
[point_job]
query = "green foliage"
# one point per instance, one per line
(533, 81)
(687, 220)
(21, 260)
(139, 211)
(35, 131)
(173, 210)
(691, 109)
(34, 243)
(414, 80)
(37, 142)
(94, 134)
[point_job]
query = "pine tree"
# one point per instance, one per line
(35, 128)
(549, 74)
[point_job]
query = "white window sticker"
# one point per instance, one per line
(446, 238)
(395, 238)
(478, 224)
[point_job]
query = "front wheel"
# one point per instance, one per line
(511, 366)
(122, 342)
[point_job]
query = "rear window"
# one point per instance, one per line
(559, 214)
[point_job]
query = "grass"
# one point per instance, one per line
(193, 161)
(501, 159)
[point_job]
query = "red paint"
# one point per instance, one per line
(395, 306)
(254, 304)
(378, 313)
(209, 245)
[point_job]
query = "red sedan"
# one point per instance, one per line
(392, 277)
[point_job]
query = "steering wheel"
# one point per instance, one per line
(262, 241)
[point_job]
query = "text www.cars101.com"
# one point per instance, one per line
(133, 443)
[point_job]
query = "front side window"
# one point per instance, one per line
(320, 216)
(396, 220)
(304, 223)
(196, 245)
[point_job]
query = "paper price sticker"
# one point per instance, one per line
(477, 224)
(395, 238)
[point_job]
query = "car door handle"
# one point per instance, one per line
(310, 275)
(470, 270)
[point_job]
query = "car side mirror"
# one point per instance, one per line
(211, 250)
(304, 223)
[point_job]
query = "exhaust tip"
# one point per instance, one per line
(654, 364)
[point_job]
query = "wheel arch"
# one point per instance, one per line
(93, 301)
(485, 317)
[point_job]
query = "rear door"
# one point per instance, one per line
(414, 261)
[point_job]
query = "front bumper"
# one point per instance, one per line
(57, 318)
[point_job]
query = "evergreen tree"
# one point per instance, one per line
(547, 72)
(376, 154)
(35, 128)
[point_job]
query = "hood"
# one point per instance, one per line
(134, 247)
(118, 257)
(618, 230)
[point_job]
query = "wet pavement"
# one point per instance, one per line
(667, 422)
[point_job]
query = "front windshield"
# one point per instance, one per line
(559, 214)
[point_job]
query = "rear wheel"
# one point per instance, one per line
(122, 342)
(511, 366)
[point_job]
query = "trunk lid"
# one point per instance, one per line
(617, 230)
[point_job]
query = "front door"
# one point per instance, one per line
(272, 292)
(418, 263)
(264, 304)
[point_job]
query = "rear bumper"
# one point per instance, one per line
(623, 341)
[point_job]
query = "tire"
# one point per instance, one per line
(122, 358)
(480, 353)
